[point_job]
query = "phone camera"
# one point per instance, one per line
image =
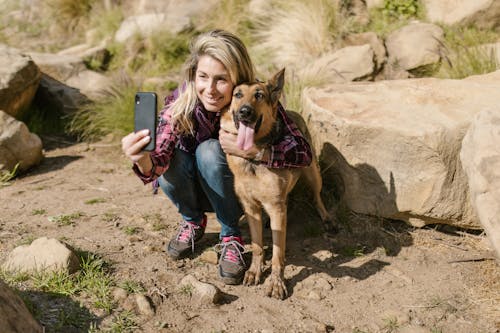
(137, 99)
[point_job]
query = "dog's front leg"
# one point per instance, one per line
(275, 284)
(253, 274)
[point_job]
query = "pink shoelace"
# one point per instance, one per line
(186, 233)
(232, 250)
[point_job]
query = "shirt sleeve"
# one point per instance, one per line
(293, 150)
(166, 140)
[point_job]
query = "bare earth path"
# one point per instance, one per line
(374, 276)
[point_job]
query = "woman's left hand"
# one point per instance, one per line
(228, 144)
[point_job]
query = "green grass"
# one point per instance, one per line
(131, 230)
(132, 287)
(45, 120)
(7, 176)
(40, 211)
(187, 290)
(123, 322)
(66, 219)
(95, 201)
(110, 217)
(113, 114)
(464, 55)
(93, 282)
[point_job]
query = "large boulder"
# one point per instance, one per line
(394, 146)
(19, 78)
(18, 144)
(480, 158)
(481, 13)
(14, 315)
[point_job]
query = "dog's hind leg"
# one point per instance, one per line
(254, 218)
(313, 177)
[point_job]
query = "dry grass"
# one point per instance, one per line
(294, 33)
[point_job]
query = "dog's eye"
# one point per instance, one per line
(238, 95)
(259, 95)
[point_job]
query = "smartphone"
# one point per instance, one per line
(145, 116)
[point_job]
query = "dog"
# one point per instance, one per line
(255, 105)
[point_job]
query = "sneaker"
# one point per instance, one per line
(231, 263)
(184, 240)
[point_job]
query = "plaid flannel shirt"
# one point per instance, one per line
(292, 150)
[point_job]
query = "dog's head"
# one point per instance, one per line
(254, 109)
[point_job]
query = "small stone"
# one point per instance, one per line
(144, 305)
(119, 294)
(205, 293)
(209, 257)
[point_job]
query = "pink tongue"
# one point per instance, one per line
(245, 137)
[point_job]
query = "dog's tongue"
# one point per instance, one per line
(245, 137)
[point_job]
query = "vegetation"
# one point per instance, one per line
(7, 176)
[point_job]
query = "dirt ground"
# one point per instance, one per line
(374, 276)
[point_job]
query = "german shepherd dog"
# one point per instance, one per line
(255, 105)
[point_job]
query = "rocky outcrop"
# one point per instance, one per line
(480, 157)
(17, 144)
(394, 145)
(19, 78)
(14, 315)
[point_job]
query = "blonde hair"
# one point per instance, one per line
(222, 46)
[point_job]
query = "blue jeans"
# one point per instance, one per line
(202, 183)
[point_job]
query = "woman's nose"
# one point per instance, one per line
(212, 85)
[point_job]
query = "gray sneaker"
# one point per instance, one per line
(186, 236)
(232, 266)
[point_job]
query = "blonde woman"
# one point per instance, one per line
(189, 162)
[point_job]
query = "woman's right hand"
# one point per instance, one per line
(132, 146)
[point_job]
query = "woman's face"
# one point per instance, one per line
(213, 84)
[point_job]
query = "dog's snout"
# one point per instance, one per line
(245, 111)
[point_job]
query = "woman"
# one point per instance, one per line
(189, 162)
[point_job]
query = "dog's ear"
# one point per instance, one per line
(276, 85)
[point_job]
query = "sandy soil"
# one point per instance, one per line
(374, 276)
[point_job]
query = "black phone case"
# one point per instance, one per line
(145, 116)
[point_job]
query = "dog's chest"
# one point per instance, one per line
(257, 181)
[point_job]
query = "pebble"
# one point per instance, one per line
(144, 305)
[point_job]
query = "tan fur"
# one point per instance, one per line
(258, 186)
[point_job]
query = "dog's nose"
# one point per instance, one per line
(245, 111)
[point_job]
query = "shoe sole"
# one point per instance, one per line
(230, 280)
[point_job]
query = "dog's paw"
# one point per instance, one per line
(331, 227)
(275, 287)
(252, 277)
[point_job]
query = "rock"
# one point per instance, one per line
(14, 315)
(90, 83)
(59, 97)
(347, 64)
(144, 306)
(147, 24)
(483, 14)
(18, 145)
(19, 78)
(375, 43)
(392, 147)
(209, 257)
(59, 66)
(119, 294)
(480, 157)
(414, 45)
(41, 255)
(205, 293)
